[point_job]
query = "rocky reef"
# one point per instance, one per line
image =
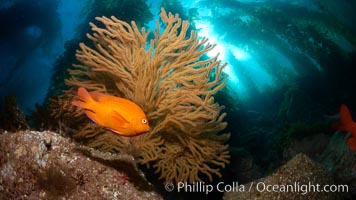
(45, 165)
(299, 172)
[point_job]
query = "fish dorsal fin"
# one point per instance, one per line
(97, 96)
(85, 98)
(119, 119)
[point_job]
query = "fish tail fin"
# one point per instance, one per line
(84, 98)
(345, 123)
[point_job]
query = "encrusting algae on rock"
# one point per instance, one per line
(300, 178)
(45, 165)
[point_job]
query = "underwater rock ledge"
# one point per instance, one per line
(300, 170)
(45, 165)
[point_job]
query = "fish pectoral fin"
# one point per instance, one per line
(119, 119)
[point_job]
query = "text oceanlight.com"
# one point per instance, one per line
(259, 186)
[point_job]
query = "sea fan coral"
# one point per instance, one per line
(173, 84)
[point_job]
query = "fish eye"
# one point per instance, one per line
(144, 121)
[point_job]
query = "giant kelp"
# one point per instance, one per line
(27, 26)
(310, 42)
(168, 78)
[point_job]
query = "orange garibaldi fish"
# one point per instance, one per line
(347, 124)
(119, 115)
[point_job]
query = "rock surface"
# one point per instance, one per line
(340, 161)
(44, 165)
(298, 171)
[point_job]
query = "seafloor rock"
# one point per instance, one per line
(44, 165)
(340, 161)
(297, 174)
(243, 165)
(312, 146)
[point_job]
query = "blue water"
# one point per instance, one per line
(259, 50)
